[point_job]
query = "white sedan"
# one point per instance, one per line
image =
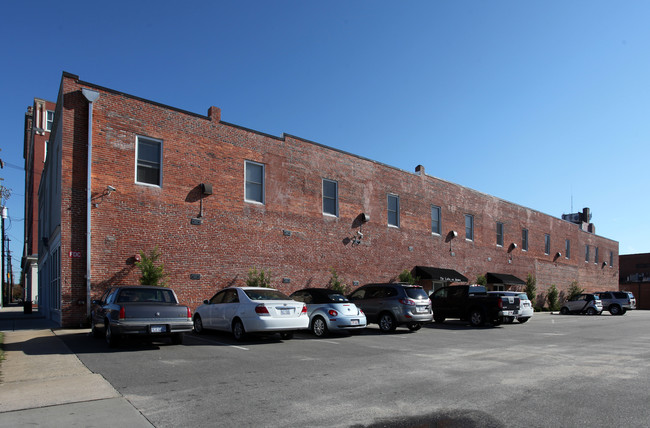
(251, 309)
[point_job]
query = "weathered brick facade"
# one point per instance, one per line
(288, 235)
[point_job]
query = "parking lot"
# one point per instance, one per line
(554, 370)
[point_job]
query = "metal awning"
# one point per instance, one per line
(439, 274)
(503, 278)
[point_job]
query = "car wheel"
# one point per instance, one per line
(591, 311)
(97, 333)
(499, 321)
(387, 322)
(319, 327)
(476, 318)
(564, 310)
(522, 320)
(623, 311)
(238, 330)
(615, 310)
(439, 319)
(509, 320)
(198, 324)
(177, 338)
(414, 326)
(112, 339)
(286, 335)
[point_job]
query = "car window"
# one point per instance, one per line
(620, 295)
(266, 295)
(456, 292)
(111, 295)
(523, 296)
(146, 295)
(359, 294)
(441, 293)
(375, 293)
(594, 297)
(230, 296)
(390, 292)
(337, 298)
(416, 293)
(301, 296)
(217, 298)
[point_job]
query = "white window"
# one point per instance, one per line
(149, 161)
(254, 191)
(393, 210)
(499, 234)
(330, 197)
(469, 227)
(435, 220)
(49, 120)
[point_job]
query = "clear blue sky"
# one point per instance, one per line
(536, 102)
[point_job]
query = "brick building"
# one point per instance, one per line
(219, 199)
(39, 120)
(635, 277)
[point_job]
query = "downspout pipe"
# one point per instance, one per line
(91, 96)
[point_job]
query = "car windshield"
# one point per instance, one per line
(337, 298)
(266, 295)
(523, 296)
(416, 293)
(596, 297)
(146, 295)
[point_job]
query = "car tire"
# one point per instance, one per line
(177, 338)
(414, 326)
(509, 320)
(112, 338)
(564, 310)
(319, 327)
(97, 333)
(439, 319)
(522, 320)
(591, 311)
(387, 322)
(623, 311)
(286, 335)
(498, 321)
(198, 325)
(615, 310)
(238, 330)
(476, 318)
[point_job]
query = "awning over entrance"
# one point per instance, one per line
(439, 274)
(503, 278)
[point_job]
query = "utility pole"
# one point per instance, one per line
(10, 273)
(2, 288)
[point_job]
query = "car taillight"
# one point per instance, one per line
(261, 310)
(122, 313)
(304, 310)
(332, 313)
(189, 314)
(360, 311)
(407, 302)
(500, 303)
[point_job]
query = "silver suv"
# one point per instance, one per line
(390, 305)
(585, 303)
(617, 302)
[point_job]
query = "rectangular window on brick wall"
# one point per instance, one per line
(587, 253)
(524, 239)
(49, 120)
(149, 161)
(567, 248)
(596, 256)
(330, 197)
(499, 234)
(547, 244)
(393, 210)
(254, 173)
(469, 227)
(436, 226)
(611, 259)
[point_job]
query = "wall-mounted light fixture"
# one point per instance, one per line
(450, 237)
(105, 194)
(206, 189)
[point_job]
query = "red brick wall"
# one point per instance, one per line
(236, 236)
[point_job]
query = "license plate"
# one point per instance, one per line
(158, 329)
(421, 308)
(285, 311)
(354, 322)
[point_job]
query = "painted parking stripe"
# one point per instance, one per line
(220, 343)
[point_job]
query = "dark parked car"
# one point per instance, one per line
(139, 310)
(390, 305)
(617, 302)
(472, 303)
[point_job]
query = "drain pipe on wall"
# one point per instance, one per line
(91, 96)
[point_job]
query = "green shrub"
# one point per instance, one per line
(407, 277)
(336, 284)
(531, 288)
(258, 279)
(152, 274)
(552, 297)
(481, 280)
(574, 290)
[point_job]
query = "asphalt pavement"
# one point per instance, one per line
(43, 383)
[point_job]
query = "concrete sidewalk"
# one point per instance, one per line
(42, 383)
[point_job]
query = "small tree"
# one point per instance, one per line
(574, 290)
(258, 279)
(336, 284)
(531, 288)
(407, 277)
(152, 274)
(481, 280)
(551, 297)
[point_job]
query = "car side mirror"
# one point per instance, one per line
(206, 302)
(96, 302)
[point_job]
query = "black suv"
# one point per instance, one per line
(390, 305)
(617, 302)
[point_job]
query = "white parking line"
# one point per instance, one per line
(220, 343)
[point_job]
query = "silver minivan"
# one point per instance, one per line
(394, 304)
(585, 303)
